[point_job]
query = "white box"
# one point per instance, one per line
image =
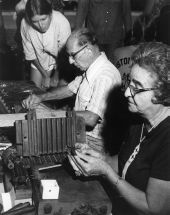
(50, 189)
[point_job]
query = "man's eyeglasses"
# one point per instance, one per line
(73, 55)
(134, 90)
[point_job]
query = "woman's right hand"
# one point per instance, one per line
(90, 162)
(31, 102)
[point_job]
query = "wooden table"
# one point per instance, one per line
(74, 192)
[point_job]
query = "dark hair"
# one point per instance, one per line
(85, 36)
(37, 7)
(154, 57)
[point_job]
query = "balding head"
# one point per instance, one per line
(84, 36)
(82, 48)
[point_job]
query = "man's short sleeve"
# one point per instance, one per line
(101, 89)
(75, 84)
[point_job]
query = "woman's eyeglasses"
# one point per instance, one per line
(134, 90)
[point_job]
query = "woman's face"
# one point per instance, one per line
(141, 90)
(41, 22)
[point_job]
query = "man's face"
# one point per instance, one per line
(78, 55)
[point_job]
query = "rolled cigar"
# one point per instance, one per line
(20, 211)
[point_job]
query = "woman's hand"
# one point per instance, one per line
(81, 146)
(31, 102)
(90, 162)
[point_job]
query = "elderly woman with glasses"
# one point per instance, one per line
(140, 174)
(44, 33)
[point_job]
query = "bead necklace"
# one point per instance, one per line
(162, 116)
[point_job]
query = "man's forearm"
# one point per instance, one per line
(91, 118)
(59, 93)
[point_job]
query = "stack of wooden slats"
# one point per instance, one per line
(46, 141)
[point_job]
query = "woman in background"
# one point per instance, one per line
(44, 33)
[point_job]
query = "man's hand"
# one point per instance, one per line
(32, 101)
(54, 82)
(45, 84)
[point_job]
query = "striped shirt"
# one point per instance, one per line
(93, 87)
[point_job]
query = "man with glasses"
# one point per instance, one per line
(97, 77)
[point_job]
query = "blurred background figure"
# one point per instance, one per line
(6, 58)
(44, 34)
(19, 14)
(3, 41)
(58, 5)
(20, 6)
(110, 20)
(154, 23)
(163, 33)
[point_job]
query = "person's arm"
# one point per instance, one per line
(96, 106)
(113, 162)
(127, 15)
(20, 6)
(154, 201)
(54, 80)
(82, 11)
(91, 118)
(59, 93)
(45, 83)
(56, 94)
(43, 72)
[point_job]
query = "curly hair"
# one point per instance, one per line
(154, 57)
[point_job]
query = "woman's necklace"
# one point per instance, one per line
(142, 135)
(161, 117)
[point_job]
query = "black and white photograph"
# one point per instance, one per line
(85, 107)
